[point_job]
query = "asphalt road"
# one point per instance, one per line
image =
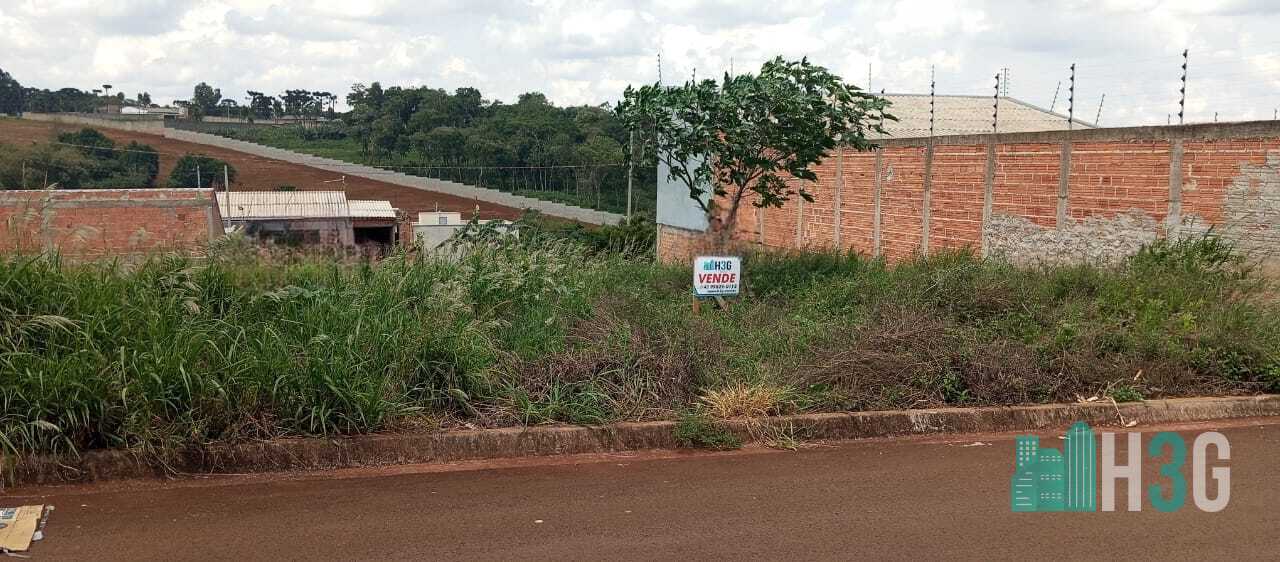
(881, 499)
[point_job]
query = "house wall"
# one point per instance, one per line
(91, 223)
(1063, 196)
(328, 232)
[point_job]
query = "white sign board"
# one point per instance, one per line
(717, 276)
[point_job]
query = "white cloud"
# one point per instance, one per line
(582, 51)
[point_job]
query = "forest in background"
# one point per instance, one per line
(574, 155)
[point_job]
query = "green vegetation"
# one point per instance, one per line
(698, 431)
(198, 170)
(748, 136)
(81, 159)
(11, 94)
(573, 155)
(176, 353)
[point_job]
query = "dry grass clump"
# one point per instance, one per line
(742, 399)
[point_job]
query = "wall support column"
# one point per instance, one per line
(760, 225)
(800, 222)
(875, 213)
(1173, 222)
(1064, 182)
(838, 209)
(926, 207)
(988, 191)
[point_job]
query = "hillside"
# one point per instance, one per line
(258, 173)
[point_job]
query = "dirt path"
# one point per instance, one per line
(257, 173)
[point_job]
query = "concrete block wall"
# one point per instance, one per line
(494, 196)
(1063, 196)
(152, 124)
(91, 223)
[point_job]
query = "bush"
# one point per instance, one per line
(198, 170)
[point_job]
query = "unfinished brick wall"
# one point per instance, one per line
(1092, 195)
(92, 223)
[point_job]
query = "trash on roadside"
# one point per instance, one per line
(19, 525)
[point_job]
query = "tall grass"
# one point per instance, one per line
(176, 353)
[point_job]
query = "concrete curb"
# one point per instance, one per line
(449, 446)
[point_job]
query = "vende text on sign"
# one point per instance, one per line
(717, 276)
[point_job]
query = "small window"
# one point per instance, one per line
(444, 220)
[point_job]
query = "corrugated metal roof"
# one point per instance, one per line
(361, 209)
(283, 205)
(968, 115)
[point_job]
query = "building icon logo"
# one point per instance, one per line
(1045, 479)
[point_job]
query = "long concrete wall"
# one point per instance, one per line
(1093, 195)
(152, 124)
(426, 184)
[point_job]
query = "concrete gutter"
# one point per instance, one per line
(450, 446)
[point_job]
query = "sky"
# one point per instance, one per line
(579, 52)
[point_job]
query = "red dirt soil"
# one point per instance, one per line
(254, 173)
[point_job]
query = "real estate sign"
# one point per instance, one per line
(717, 276)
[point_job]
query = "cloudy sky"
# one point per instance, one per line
(580, 52)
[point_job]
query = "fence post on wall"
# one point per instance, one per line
(875, 213)
(988, 191)
(839, 199)
(926, 211)
(1064, 181)
(1173, 223)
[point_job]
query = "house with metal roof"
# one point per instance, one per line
(969, 115)
(313, 218)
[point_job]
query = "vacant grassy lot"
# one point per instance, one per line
(181, 353)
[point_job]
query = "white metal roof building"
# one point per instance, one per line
(969, 115)
(261, 205)
(361, 209)
(319, 217)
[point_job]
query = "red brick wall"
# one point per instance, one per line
(956, 197)
(1026, 181)
(108, 222)
(1114, 177)
(1118, 194)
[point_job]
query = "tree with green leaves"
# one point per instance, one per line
(748, 136)
(11, 95)
(198, 170)
(204, 100)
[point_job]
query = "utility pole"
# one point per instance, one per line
(226, 179)
(24, 174)
(631, 165)
(197, 176)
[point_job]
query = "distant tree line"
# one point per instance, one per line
(15, 99)
(433, 127)
(208, 101)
